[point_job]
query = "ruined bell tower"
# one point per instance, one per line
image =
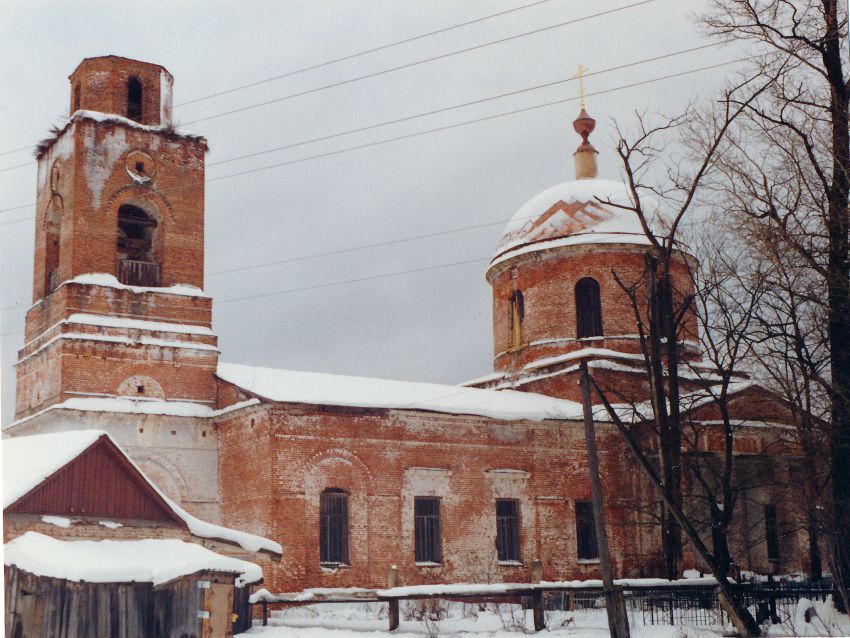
(120, 324)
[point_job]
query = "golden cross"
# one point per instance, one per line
(580, 75)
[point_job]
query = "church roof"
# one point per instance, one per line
(575, 212)
(293, 386)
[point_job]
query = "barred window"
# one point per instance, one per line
(588, 309)
(586, 531)
(507, 529)
(333, 516)
(771, 529)
(426, 515)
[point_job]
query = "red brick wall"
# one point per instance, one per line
(103, 86)
(272, 476)
(547, 280)
(84, 178)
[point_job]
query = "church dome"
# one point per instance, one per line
(582, 211)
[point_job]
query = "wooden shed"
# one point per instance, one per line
(123, 589)
(76, 486)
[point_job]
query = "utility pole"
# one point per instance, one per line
(615, 604)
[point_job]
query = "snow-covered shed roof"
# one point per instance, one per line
(28, 461)
(155, 561)
(293, 386)
(572, 214)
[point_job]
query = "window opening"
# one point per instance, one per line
(771, 528)
(517, 315)
(507, 529)
(77, 98)
(333, 533)
(135, 247)
(426, 515)
(53, 245)
(134, 99)
(588, 309)
(586, 531)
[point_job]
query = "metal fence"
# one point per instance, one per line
(696, 605)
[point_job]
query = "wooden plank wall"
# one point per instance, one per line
(38, 606)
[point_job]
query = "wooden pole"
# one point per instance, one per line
(537, 595)
(265, 613)
(740, 616)
(618, 622)
(392, 581)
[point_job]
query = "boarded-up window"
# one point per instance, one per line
(134, 99)
(507, 529)
(588, 309)
(426, 515)
(333, 515)
(517, 315)
(586, 531)
(771, 529)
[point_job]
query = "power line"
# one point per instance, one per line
(331, 284)
(467, 122)
(352, 281)
(446, 108)
(464, 104)
(361, 53)
(434, 130)
(379, 48)
(333, 252)
(442, 56)
(17, 150)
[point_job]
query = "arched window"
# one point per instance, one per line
(53, 243)
(333, 527)
(588, 309)
(137, 265)
(134, 99)
(517, 315)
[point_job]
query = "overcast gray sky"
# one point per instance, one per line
(431, 325)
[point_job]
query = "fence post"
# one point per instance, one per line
(392, 603)
(265, 613)
(537, 595)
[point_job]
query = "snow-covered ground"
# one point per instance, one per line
(461, 620)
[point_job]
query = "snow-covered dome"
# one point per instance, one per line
(575, 212)
(586, 210)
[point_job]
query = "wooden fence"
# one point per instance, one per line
(660, 601)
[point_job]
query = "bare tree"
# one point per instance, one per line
(663, 312)
(789, 173)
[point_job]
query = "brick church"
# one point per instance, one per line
(352, 474)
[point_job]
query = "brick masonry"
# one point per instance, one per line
(262, 468)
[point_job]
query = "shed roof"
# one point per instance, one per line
(155, 561)
(30, 463)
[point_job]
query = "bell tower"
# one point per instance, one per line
(118, 304)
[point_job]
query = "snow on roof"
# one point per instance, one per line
(29, 460)
(573, 210)
(155, 561)
(294, 386)
(105, 321)
(111, 281)
(136, 405)
(98, 116)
